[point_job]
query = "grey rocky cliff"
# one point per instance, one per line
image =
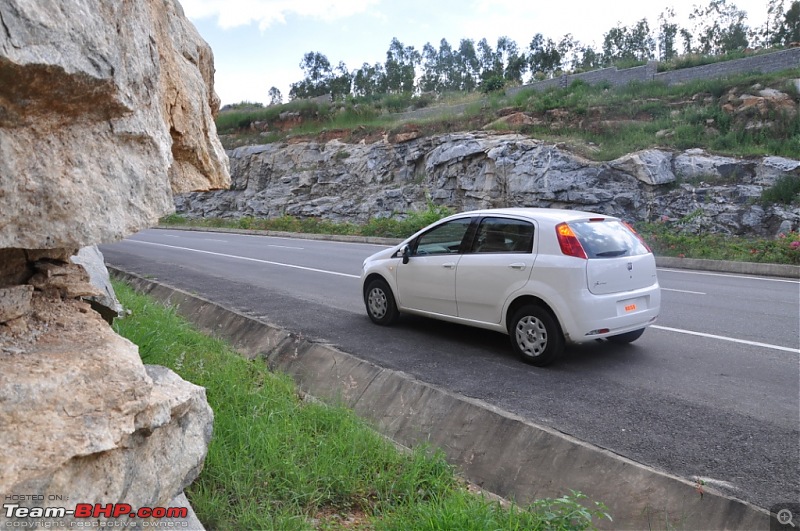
(355, 182)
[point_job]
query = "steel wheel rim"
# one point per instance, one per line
(378, 303)
(531, 336)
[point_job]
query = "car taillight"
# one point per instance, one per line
(569, 243)
(630, 228)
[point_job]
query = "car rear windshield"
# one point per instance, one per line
(607, 239)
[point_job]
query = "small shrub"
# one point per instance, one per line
(786, 191)
(681, 239)
(397, 102)
(173, 219)
(493, 84)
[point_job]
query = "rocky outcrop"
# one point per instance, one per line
(85, 422)
(105, 302)
(106, 110)
(355, 182)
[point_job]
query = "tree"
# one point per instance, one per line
(445, 67)
(586, 58)
(614, 45)
(667, 35)
(686, 37)
(466, 71)
(720, 28)
(765, 35)
(628, 44)
(641, 44)
(318, 73)
(508, 63)
(544, 57)
(567, 48)
(429, 80)
(275, 96)
(789, 29)
(400, 67)
(369, 80)
(340, 82)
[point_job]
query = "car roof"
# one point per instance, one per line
(549, 214)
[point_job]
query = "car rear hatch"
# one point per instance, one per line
(618, 259)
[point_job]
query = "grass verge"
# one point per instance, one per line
(278, 461)
(665, 240)
(673, 238)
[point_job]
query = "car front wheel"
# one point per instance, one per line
(535, 336)
(380, 303)
(627, 337)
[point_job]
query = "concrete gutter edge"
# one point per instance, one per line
(720, 266)
(729, 266)
(498, 451)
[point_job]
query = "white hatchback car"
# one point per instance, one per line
(545, 277)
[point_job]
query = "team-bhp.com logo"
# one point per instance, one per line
(90, 510)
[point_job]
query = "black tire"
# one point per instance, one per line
(627, 337)
(379, 300)
(535, 336)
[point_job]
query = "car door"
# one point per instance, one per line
(498, 263)
(428, 281)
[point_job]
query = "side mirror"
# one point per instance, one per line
(406, 253)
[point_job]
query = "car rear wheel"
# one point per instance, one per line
(380, 303)
(627, 337)
(535, 336)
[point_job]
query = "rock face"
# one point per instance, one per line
(106, 110)
(85, 420)
(105, 302)
(347, 182)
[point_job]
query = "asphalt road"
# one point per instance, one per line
(711, 391)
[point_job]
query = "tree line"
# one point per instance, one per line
(716, 29)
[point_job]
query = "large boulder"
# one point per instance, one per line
(106, 109)
(85, 420)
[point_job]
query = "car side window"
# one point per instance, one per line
(501, 235)
(443, 239)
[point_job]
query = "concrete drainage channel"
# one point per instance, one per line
(503, 453)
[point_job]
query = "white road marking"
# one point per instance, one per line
(724, 338)
(665, 328)
(749, 277)
(211, 240)
(271, 236)
(684, 291)
(248, 259)
(282, 246)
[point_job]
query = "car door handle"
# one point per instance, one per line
(520, 266)
(449, 265)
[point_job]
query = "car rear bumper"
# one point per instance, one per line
(599, 316)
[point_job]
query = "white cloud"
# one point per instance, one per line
(233, 13)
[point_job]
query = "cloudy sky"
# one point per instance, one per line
(259, 44)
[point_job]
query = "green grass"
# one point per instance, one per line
(630, 116)
(786, 190)
(393, 227)
(277, 461)
(617, 120)
(672, 238)
(676, 239)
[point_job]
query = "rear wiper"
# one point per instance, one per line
(607, 254)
